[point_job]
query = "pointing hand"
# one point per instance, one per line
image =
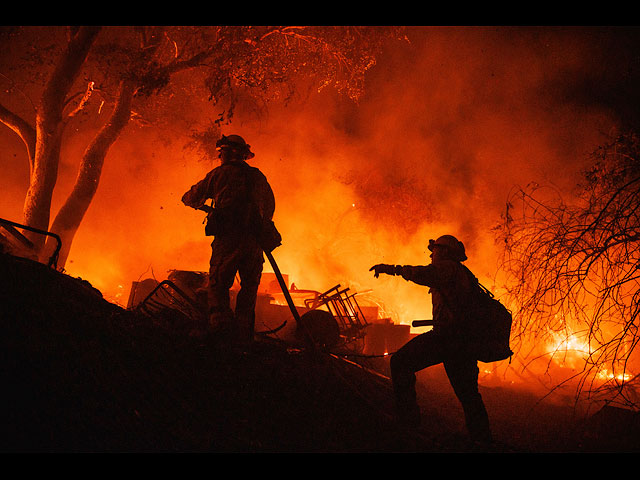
(382, 268)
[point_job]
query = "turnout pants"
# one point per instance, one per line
(231, 255)
(429, 349)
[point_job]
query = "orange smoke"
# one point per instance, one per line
(449, 125)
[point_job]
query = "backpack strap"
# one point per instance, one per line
(477, 283)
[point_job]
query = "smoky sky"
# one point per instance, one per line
(451, 121)
(456, 116)
(609, 80)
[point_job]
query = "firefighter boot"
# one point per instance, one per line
(221, 324)
(245, 324)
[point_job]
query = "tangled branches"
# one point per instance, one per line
(573, 270)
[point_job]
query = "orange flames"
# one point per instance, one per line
(447, 129)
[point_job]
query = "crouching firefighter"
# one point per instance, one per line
(450, 342)
(242, 202)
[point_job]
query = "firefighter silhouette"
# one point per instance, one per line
(448, 342)
(242, 199)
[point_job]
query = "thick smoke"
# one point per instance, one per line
(451, 122)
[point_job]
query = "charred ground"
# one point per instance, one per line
(83, 375)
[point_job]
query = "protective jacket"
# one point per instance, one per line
(235, 188)
(450, 288)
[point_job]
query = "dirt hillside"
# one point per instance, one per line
(83, 375)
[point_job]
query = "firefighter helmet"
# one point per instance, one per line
(454, 246)
(235, 141)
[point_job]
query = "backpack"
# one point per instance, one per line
(218, 221)
(268, 235)
(491, 323)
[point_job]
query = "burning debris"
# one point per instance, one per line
(332, 319)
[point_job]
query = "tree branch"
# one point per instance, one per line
(58, 86)
(83, 102)
(24, 130)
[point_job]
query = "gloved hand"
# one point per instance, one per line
(383, 268)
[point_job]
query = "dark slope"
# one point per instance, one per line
(81, 374)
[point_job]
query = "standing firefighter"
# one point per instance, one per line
(243, 202)
(450, 342)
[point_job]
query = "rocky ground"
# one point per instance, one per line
(80, 374)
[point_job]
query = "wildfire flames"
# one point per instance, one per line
(448, 127)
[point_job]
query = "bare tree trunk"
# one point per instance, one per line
(49, 128)
(72, 212)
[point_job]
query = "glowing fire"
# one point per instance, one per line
(605, 374)
(568, 344)
(570, 350)
(352, 189)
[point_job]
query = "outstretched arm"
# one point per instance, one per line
(422, 275)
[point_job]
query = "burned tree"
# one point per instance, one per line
(573, 269)
(44, 140)
(133, 71)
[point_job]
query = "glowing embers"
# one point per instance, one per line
(568, 346)
(576, 351)
(620, 377)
